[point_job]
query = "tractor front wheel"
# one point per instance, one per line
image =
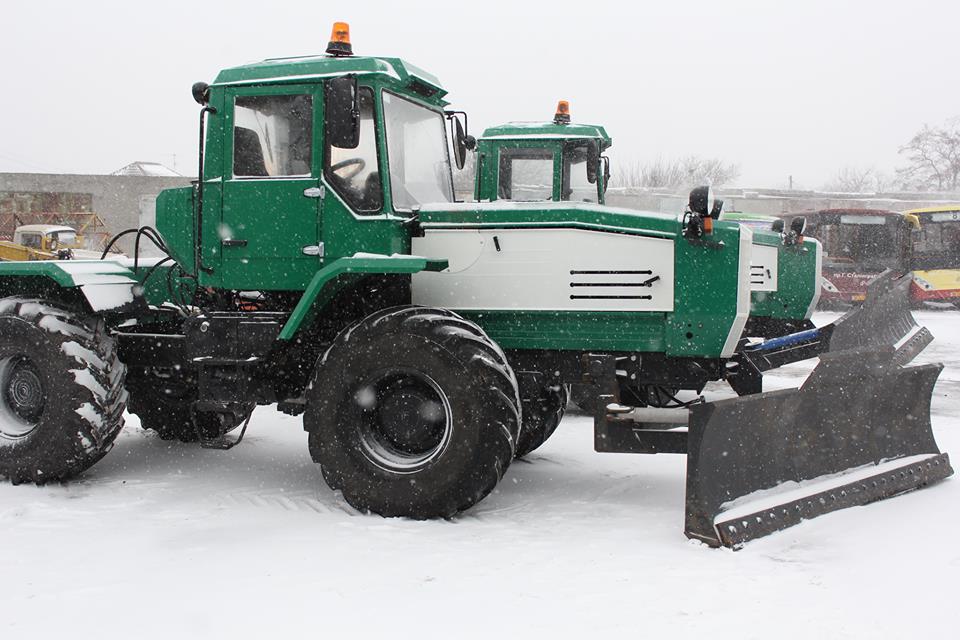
(413, 412)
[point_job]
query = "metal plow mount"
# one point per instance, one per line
(858, 430)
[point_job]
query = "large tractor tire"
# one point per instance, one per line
(61, 391)
(413, 412)
(167, 408)
(542, 408)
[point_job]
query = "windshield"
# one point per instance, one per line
(66, 238)
(865, 245)
(417, 153)
(936, 245)
(525, 174)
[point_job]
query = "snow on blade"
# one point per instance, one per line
(789, 491)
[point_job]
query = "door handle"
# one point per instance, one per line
(314, 192)
(233, 243)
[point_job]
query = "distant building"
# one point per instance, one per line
(122, 200)
(151, 169)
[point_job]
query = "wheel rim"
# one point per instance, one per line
(404, 419)
(22, 397)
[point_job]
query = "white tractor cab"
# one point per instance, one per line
(60, 240)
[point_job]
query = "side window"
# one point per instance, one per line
(31, 240)
(272, 136)
(525, 174)
(353, 173)
(576, 186)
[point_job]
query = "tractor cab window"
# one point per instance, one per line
(576, 183)
(526, 174)
(353, 173)
(417, 150)
(272, 136)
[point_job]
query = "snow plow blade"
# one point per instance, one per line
(883, 321)
(857, 431)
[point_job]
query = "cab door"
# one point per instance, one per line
(270, 224)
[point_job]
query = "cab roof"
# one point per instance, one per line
(43, 228)
(547, 130)
(317, 67)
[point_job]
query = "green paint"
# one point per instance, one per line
(327, 281)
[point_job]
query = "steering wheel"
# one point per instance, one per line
(358, 165)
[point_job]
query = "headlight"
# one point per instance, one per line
(923, 284)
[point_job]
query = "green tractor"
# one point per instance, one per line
(560, 160)
(321, 265)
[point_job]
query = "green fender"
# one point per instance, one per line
(330, 279)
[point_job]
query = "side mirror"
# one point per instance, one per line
(798, 226)
(459, 143)
(701, 201)
(606, 172)
(342, 112)
(462, 142)
(777, 225)
(201, 93)
(717, 209)
(593, 161)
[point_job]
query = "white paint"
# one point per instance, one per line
(763, 268)
(818, 271)
(743, 293)
(532, 270)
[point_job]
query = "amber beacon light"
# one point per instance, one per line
(563, 113)
(339, 44)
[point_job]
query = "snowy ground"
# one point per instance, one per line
(164, 540)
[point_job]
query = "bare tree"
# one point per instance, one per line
(676, 173)
(934, 158)
(858, 180)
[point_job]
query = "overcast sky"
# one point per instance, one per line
(801, 88)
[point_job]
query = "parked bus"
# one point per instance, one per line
(935, 259)
(858, 244)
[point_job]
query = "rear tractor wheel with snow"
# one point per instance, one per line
(413, 412)
(61, 391)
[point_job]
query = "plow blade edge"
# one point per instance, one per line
(858, 430)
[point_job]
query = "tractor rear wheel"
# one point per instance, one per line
(61, 391)
(542, 407)
(413, 412)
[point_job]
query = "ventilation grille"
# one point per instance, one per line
(634, 282)
(760, 274)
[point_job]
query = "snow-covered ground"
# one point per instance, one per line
(164, 540)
